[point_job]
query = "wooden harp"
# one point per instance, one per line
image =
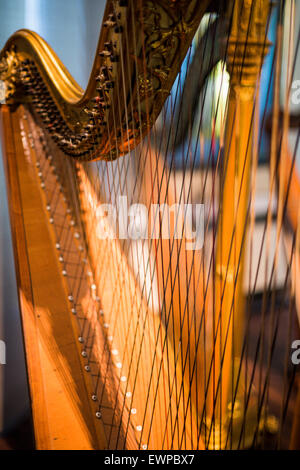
(134, 220)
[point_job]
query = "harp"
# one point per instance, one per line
(159, 308)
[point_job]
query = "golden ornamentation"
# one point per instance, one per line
(83, 124)
(9, 73)
(248, 44)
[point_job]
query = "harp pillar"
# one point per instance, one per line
(247, 47)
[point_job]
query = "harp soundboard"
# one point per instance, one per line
(157, 253)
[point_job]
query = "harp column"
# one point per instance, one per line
(229, 419)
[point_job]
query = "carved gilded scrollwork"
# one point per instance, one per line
(248, 44)
(9, 73)
(147, 39)
(165, 28)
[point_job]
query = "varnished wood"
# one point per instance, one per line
(39, 409)
(61, 411)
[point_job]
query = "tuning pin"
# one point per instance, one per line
(91, 113)
(109, 24)
(89, 127)
(83, 136)
(109, 46)
(114, 58)
(104, 105)
(96, 99)
(105, 53)
(104, 71)
(109, 84)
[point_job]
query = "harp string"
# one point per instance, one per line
(169, 270)
(218, 326)
(269, 288)
(160, 309)
(269, 206)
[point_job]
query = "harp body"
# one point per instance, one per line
(138, 342)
